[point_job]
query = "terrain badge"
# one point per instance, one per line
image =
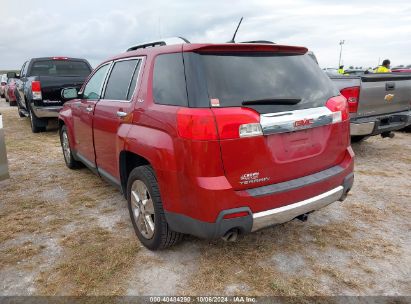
(389, 97)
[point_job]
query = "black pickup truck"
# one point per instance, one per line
(40, 84)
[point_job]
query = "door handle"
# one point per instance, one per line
(389, 86)
(121, 114)
(89, 109)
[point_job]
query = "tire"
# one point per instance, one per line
(13, 103)
(71, 163)
(19, 110)
(358, 138)
(162, 236)
(37, 124)
(20, 113)
(407, 129)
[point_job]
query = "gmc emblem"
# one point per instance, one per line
(303, 123)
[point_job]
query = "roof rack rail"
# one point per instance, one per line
(258, 41)
(162, 42)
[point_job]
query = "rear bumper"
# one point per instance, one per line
(44, 112)
(369, 126)
(258, 220)
(289, 212)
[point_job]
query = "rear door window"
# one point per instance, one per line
(122, 80)
(169, 84)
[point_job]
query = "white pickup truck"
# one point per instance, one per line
(379, 103)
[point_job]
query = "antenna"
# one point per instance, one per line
(235, 33)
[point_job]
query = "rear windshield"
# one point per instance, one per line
(232, 79)
(60, 68)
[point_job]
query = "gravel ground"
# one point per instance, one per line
(66, 232)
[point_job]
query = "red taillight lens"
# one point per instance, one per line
(338, 105)
(36, 89)
(237, 122)
(352, 94)
(36, 86)
(196, 124)
(60, 58)
(223, 123)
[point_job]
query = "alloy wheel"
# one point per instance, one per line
(66, 147)
(142, 209)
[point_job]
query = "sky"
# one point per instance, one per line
(95, 30)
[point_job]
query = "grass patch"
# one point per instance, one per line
(95, 261)
(13, 255)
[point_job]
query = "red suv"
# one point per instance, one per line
(211, 140)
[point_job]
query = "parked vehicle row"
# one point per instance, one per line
(212, 140)
(38, 93)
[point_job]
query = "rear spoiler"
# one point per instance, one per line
(244, 47)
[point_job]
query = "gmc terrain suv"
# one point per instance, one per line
(211, 140)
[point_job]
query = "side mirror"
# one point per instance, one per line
(12, 75)
(69, 93)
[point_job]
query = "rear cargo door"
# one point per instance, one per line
(286, 94)
(384, 94)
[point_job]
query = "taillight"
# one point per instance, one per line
(60, 58)
(352, 94)
(237, 122)
(338, 105)
(213, 124)
(196, 124)
(36, 89)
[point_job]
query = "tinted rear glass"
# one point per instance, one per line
(59, 68)
(234, 78)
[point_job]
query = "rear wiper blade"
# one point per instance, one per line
(272, 101)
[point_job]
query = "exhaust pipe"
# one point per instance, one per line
(230, 236)
(303, 217)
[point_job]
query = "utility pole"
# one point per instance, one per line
(341, 45)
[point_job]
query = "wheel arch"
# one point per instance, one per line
(127, 162)
(61, 123)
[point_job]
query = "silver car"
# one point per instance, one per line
(3, 82)
(4, 168)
